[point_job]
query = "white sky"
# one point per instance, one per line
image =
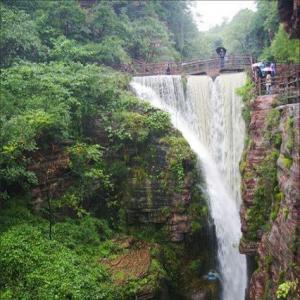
(213, 12)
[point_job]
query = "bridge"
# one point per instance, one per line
(285, 83)
(210, 67)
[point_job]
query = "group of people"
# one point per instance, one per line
(265, 70)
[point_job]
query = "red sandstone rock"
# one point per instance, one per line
(277, 250)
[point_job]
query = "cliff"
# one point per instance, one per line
(271, 196)
(155, 201)
(158, 184)
(102, 176)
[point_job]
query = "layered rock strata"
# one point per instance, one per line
(276, 244)
(150, 193)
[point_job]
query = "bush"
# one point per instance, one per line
(110, 51)
(82, 235)
(158, 122)
(285, 289)
(19, 37)
(247, 93)
(16, 213)
(282, 48)
(128, 127)
(33, 267)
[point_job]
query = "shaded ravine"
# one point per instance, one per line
(208, 114)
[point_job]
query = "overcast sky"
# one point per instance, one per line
(213, 12)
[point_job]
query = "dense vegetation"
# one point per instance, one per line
(47, 114)
(118, 31)
(267, 195)
(107, 32)
(257, 33)
(76, 145)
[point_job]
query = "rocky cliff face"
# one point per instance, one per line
(155, 191)
(158, 185)
(271, 199)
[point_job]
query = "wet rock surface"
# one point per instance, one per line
(277, 248)
(149, 194)
(256, 153)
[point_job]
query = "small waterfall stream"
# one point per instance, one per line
(208, 114)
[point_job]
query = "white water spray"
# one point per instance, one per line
(209, 118)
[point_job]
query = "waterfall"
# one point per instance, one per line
(208, 114)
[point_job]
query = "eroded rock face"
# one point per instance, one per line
(152, 198)
(256, 153)
(277, 247)
(155, 187)
(149, 192)
(53, 173)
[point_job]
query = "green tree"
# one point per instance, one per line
(67, 17)
(283, 49)
(151, 39)
(19, 37)
(236, 32)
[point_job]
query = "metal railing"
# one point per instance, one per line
(286, 83)
(231, 63)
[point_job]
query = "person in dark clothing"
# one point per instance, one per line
(259, 73)
(168, 71)
(221, 51)
(222, 56)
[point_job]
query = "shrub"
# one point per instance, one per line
(33, 267)
(19, 37)
(247, 93)
(286, 288)
(158, 122)
(109, 52)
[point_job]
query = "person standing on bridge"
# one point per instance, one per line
(268, 84)
(168, 71)
(273, 69)
(221, 51)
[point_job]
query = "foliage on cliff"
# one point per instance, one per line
(267, 195)
(109, 32)
(77, 148)
(247, 93)
(69, 266)
(257, 33)
(47, 138)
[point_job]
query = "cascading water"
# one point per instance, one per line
(209, 118)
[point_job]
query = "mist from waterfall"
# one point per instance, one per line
(208, 114)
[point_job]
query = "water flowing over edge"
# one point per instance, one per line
(209, 118)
